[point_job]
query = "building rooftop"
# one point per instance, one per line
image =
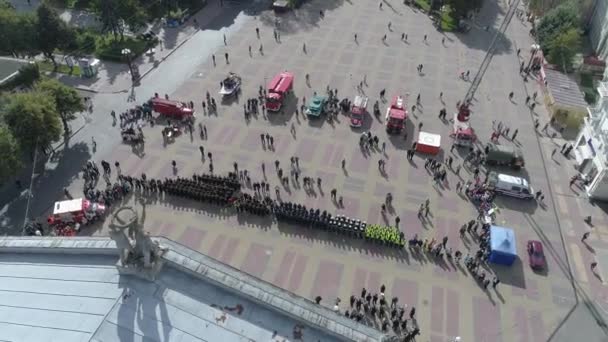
(56, 289)
(564, 89)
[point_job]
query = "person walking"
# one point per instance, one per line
(585, 236)
(495, 282)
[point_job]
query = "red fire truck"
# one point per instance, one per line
(169, 108)
(78, 210)
(278, 88)
(396, 115)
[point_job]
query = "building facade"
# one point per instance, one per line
(590, 148)
(598, 28)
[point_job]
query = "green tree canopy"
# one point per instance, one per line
(33, 118)
(9, 154)
(17, 32)
(67, 100)
(52, 33)
(557, 21)
(115, 14)
(564, 47)
(462, 7)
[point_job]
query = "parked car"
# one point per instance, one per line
(536, 255)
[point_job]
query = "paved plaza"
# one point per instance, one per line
(526, 306)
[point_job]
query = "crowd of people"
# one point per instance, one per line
(229, 191)
(375, 310)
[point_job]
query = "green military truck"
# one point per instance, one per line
(502, 155)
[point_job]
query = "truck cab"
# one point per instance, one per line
(396, 114)
(317, 106)
(358, 110)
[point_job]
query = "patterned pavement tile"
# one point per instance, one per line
(230, 250)
(297, 273)
(520, 320)
(437, 309)
(327, 280)
(452, 313)
(217, 246)
(486, 319)
(537, 326)
(192, 237)
(256, 259)
(282, 275)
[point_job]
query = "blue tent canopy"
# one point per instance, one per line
(503, 249)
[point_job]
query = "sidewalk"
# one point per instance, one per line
(115, 77)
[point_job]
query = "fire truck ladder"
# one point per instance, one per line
(491, 50)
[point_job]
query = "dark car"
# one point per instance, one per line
(536, 255)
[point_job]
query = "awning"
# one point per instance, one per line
(582, 153)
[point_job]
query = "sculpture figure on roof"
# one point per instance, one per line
(139, 254)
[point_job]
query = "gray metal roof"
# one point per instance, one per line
(68, 289)
(564, 89)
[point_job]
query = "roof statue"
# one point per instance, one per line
(139, 254)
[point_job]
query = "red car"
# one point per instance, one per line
(536, 255)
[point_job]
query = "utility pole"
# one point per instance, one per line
(29, 191)
(490, 53)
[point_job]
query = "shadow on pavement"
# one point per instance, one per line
(303, 18)
(54, 175)
(491, 15)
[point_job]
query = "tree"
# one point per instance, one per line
(67, 100)
(33, 119)
(462, 7)
(132, 14)
(564, 47)
(52, 33)
(115, 14)
(558, 20)
(9, 154)
(18, 32)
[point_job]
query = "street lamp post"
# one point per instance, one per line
(127, 53)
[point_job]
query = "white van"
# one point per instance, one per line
(510, 185)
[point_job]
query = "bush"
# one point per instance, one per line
(28, 75)
(587, 80)
(177, 14)
(110, 49)
(590, 96)
(86, 42)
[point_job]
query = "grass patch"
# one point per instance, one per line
(110, 49)
(424, 5)
(61, 68)
(448, 21)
